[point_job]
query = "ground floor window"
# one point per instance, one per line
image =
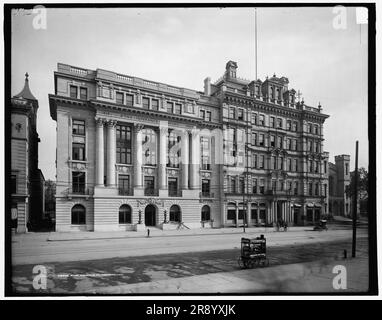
(309, 215)
(78, 182)
(231, 214)
(206, 215)
(78, 214)
(124, 214)
(241, 214)
(254, 214)
(175, 213)
(262, 214)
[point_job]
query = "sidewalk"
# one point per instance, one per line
(310, 277)
(154, 232)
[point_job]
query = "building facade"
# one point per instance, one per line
(26, 178)
(133, 153)
(339, 178)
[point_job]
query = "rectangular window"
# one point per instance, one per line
(325, 190)
(206, 188)
(281, 163)
(310, 163)
(178, 108)
(78, 127)
(279, 142)
(272, 141)
(310, 188)
(240, 114)
(241, 185)
(119, 97)
(254, 186)
(231, 214)
(316, 166)
(262, 186)
(294, 126)
(346, 169)
(13, 183)
(155, 104)
(316, 190)
(172, 187)
(123, 144)
(241, 214)
(289, 164)
(254, 161)
(272, 122)
(254, 118)
(233, 184)
(288, 125)
(325, 166)
(78, 182)
(295, 165)
(279, 123)
(149, 186)
(73, 92)
(232, 113)
(208, 116)
(129, 100)
(273, 162)
(123, 185)
(146, 103)
(296, 188)
(294, 144)
(261, 139)
(83, 93)
(288, 144)
(261, 120)
(254, 138)
(170, 107)
(316, 129)
(261, 162)
(202, 114)
(205, 151)
(78, 151)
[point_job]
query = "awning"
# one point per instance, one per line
(296, 205)
(317, 205)
(310, 205)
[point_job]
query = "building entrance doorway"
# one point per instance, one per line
(150, 215)
(279, 211)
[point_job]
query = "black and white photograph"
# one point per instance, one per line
(190, 149)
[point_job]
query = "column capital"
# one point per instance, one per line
(195, 131)
(111, 123)
(138, 127)
(100, 121)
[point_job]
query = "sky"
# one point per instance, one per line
(183, 46)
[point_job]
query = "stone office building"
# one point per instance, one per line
(133, 153)
(339, 178)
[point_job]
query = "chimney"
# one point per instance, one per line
(207, 86)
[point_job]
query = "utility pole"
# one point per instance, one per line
(355, 195)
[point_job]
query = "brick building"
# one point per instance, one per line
(26, 178)
(133, 153)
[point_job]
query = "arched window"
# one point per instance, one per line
(175, 213)
(78, 214)
(124, 214)
(206, 215)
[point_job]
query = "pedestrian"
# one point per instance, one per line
(148, 233)
(14, 215)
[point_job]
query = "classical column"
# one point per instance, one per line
(99, 152)
(111, 153)
(185, 158)
(195, 159)
(138, 157)
(163, 146)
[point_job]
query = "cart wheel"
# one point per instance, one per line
(247, 264)
(251, 263)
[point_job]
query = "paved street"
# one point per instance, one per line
(190, 264)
